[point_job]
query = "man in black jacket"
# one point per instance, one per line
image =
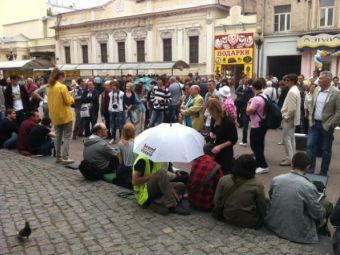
(90, 97)
(17, 98)
(8, 130)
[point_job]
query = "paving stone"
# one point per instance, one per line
(71, 216)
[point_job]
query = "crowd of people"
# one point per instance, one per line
(216, 107)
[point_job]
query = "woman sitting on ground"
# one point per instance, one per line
(239, 198)
(126, 156)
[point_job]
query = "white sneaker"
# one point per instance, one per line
(280, 143)
(337, 128)
(67, 161)
(261, 170)
(243, 144)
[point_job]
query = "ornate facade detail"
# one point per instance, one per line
(102, 37)
(119, 35)
(139, 34)
(66, 43)
(83, 41)
(193, 31)
(167, 33)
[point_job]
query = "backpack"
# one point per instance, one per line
(273, 114)
(89, 171)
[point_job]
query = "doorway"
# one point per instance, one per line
(281, 65)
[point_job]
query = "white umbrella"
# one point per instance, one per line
(170, 143)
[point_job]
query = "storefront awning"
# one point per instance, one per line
(319, 41)
(127, 66)
(26, 64)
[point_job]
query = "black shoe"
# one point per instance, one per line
(159, 209)
(180, 210)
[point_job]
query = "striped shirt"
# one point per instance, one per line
(160, 98)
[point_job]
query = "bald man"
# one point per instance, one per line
(194, 109)
(99, 152)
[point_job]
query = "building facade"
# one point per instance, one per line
(143, 31)
(286, 24)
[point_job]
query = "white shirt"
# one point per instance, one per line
(271, 93)
(115, 100)
(320, 103)
(17, 102)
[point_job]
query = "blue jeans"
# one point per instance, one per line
(173, 113)
(11, 143)
(157, 117)
(44, 149)
(317, 137)
(117, 122)
(2, 115)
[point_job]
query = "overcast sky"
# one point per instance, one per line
(82, 3)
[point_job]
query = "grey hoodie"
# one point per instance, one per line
(98, 151)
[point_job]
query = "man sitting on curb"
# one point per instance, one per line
(204, 176)
(295, 211)
(99, 153)
(24, 129)
(152, 187)
(8, 130)
(39, 140)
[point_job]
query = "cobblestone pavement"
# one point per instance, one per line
(69, 215)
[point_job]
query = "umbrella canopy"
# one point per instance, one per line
(146, 82)
(170, 143)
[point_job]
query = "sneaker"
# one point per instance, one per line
(261, 170)
(67, 161)
(280, 143)
(59, 160)
(159, 209)
(285, 162)
(180, 210)
(243, 144)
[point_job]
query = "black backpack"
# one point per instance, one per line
(273, 114)
(89, 171)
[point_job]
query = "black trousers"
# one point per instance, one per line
(257, 136)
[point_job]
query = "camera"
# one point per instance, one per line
(114, 106)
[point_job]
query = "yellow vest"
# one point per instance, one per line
(59, 102)
(141, 191)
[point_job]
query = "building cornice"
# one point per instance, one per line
(142, 16)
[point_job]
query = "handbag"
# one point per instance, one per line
(85, 110)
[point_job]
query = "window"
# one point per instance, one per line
(193, 49)
(167, 50)
(140, 51)
(85, 54)
(121, 51)
(103, 52)
(326, 13)
(67, 55)
(282, 18)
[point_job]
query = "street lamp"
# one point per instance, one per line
(258, 39)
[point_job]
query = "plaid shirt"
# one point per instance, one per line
(229, 107)
(203, 196)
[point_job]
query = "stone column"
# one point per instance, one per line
(180, 44)
(93, 55)
(110, 49)
(75, 52)
(209, 48)
(128, 47)
(149, 45)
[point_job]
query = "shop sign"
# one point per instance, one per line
(320, 40)
(233, 49)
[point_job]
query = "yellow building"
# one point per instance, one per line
(27, 31)
(142, 31)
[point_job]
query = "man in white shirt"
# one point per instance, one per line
(291, 113)
(325, 117)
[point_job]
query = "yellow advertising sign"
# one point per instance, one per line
(234, 49)
(320, 40)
